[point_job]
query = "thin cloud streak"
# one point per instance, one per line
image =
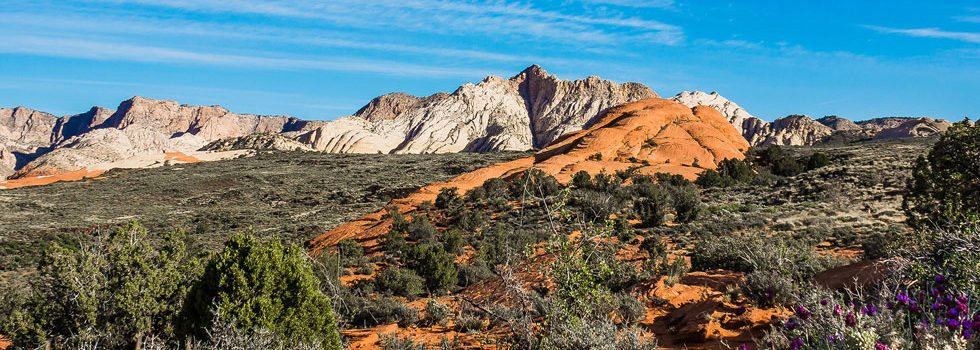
(930, 33)
(494, 18)
(73, 48)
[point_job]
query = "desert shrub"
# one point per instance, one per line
(654, 247)
(470, 274)
(730, 172)
(816, 160)
(434, 264)
(262, 286)
(945, 183)
(421, 229)
(400, 282)
(777, 160)
(384, 310)
(672, 270)
(394, 243)
(582, 179)
(623, 230)
(687, 203)
(113, 292)
(467, 323)
(495, 188)
(351, 252)
(776, 268)
(652, 211)
(400, 342)
(448, 197)
(630, 309)
(537, 183)
(468, 220)
(597, 206)
(453, 241)
(436, 313)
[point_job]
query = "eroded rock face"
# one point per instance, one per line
(525, 112)
(796, 130)
(740, 118)
(913, 127)
(138, 125)
(257, 141)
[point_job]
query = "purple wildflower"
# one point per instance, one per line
(739, 311)
(903, 298)
(823, 302)
(796, 344)
(837, 310)
(880, 346)
(967, 334)
(940, 279)
(850, 320)
(802, 313)
(791, 324)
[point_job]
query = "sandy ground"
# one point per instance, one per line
(143, 160)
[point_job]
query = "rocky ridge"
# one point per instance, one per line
(795, 130)
(527, 111)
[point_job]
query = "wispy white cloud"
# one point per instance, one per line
(101, 50)
(929, 33)
(970, 19)
(635, 3)
(496, 18)
(130, 26)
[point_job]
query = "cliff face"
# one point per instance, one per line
(531, 110)
(48, 145)
(525, 112)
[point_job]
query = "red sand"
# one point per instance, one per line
(44, 180)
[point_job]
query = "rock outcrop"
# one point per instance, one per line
(796, 130)
(257, 142)
(54, 145)
(652, 135)
(889, 128)
(740, 118)
(525, 112)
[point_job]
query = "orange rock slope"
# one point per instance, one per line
(654, 135)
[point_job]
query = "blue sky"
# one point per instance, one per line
(325, 59)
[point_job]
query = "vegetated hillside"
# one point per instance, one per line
(823, 211)
(294, 195)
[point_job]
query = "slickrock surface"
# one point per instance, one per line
(654, 135)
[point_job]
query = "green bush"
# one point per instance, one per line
(420, 229)
(113, 293)
(262, 286)
(435, 265)
(453, 241)
(448, 197)
(687, 203)
(436, 313)
(400, 282)
(384, 310)
(351, 252)
(945, 183)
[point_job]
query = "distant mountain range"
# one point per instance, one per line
(528, 111)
